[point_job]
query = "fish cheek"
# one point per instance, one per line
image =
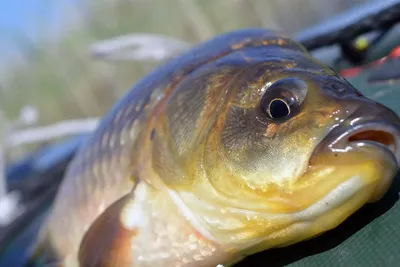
(242, 128)
(262, 150)
(107, 243)
(243, 136)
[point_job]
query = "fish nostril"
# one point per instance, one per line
(377, 136)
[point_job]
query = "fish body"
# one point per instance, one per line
(242, 144)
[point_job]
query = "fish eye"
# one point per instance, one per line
(278, 108)
(283, 97)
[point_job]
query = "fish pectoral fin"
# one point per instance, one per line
(107, 243)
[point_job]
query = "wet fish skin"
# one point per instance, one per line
(191, 169)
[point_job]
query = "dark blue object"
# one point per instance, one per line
(42, 159)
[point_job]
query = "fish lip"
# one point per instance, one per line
(342, 133)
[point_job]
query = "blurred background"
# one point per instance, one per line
(64, 63)
(57, 61)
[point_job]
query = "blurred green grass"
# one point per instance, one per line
(61, 79)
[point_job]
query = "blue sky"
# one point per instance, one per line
(19, 15)
(24, 18)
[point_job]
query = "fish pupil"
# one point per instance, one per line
(278, 108)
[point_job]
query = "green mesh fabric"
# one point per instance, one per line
(371, 237)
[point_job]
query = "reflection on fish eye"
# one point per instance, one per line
(283, 98)
(278, 103)
(278, 108)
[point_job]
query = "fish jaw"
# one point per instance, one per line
(319, 201)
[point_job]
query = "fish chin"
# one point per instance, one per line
(386, 171)
(322, 216)
(374, 162)
(318, 202)
(360, 183)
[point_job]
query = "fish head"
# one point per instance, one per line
(305, 130)
(284, 150)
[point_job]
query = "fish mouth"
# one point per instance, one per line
(382, 135)
(358, 147)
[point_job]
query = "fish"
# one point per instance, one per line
(241, 144)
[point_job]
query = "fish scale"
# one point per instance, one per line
(193, 167)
